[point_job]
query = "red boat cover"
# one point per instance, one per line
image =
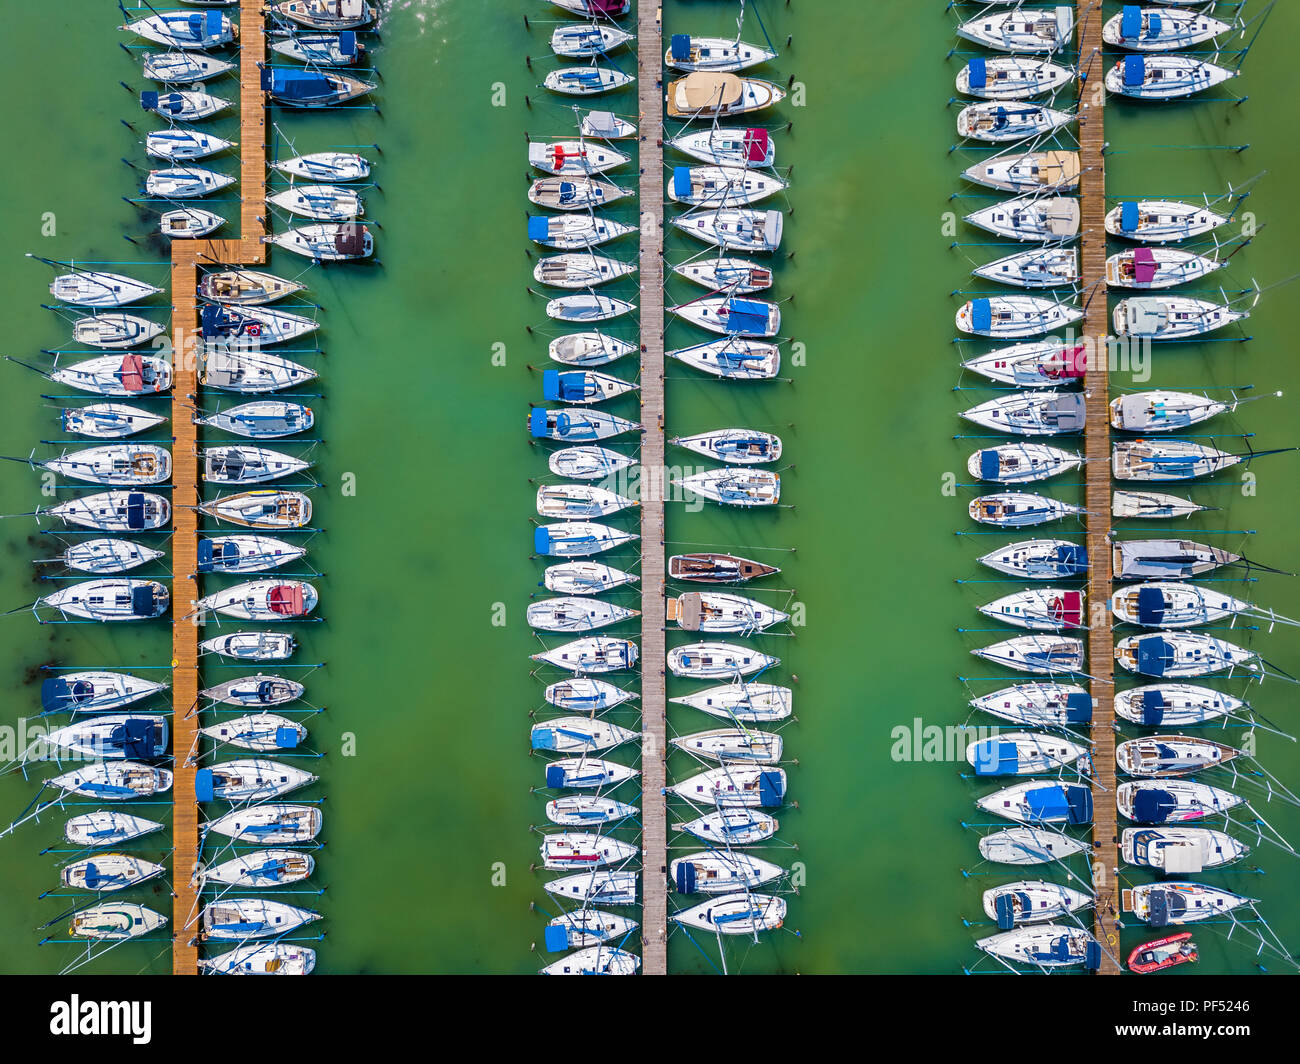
(1068, 608)
(286, 599)
(1076, 361)
(756, 145)
(132, 373)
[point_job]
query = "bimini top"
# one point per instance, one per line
(564, 387)
(747, 316)
(1070, 802)
(1130, 22)
(756, 145)
(1128, 214)
(703, 89)
(681, 46)
(981, 315)
(1144, 265)
(978, 73)
(286, 599)
(1135, 70)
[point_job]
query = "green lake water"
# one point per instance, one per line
(428, 849)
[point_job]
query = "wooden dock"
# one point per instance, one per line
(187, 256)
(654, 701)
(1096, 327)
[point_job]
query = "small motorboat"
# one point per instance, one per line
(1159, 221)
(324, 14)
(108, 872)
(587, 809)
(321, 49)
(117, 331)
(1032, 901)
(1166, 559)
(184, 68)
(95, 288)
(592, 654)
(586, 40)
(1048, 705)
(261, 419)
(1172, 801)
(107, 555)
(1046, 947)
(586, 81)
(570, 231)
(570, 426)
(717, 661)
(251, 646)
(586, 695)
(1161, 604)
(1175, 459)
(732, 316)
(595, 960)
(326, 166)
(1180, 902)
(1152, 504)
(735, 914)
(1158, 267)
(1151, 29)
(182, 106)
(735, 446)
(1022, 754)
(189, 222)
(118, 464)
(184, 29)
(732, 746)
(1041, 268)
(263, 600)
(257, 690)
(1040, 413)
(735, 358)
(1012, 77)
(115, 781)
(1042, 364)
(578, 539)
(580, 269)
(1162, 953)
(735, 487)
(574, 193)
(328, 203)
(586, 349)
(585, 928)
(108, 420)
(717, 611)
(584, 849)
(757, 787)
(731, 827)
(120, 599)
(1029, 846)
(114, 736)
(185, 182)
(1035, 171)
(725, 274)
(94, 692)
(713, 53)
(579, 501)
(115, 922)
(249, 780)
(1015, 317)
(1036, 653)
(263, 868)
(1181, 654)
(107, 827)
(245, 554)
(587, 773)
(1172, 317)
(578, 735)
(1164, 411)
(1164, 77)
(588, 463)
(706, 94)
(707, 568)
(115, 511)
(1175, 704)
(587, 307)
(1036, 29)
(311, 87)
(240, 326)
(728, 146)
(1046, 609)
(1020, 509)
(1019, 463)
(262, 958)
(1040, 802)
(739, 228)
(328, 241)
(250, 372)
(721, 872)
(270, 824)
(995, 122)
(181, 143)
(744, 703)
(239, 919)
(571, 614)
(722, 186)
(243, 287)
(1036, 217)
(574, 158)
(1180, 850)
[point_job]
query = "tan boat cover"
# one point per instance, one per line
(703, 90)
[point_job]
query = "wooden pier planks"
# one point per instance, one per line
(654, 830)
(187, 256)
(1096, 327)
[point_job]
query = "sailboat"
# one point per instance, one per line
(732, 746)
(107, 555)
(118, 464)
(1012, 77)
(1172, 317)
(734, 358)
(1019, 463)
(1047, 705)
(584, 849)
(1164, 77)
(107, 827)
(97, 288)
(1040, 364)
(574, 158)
(121, 599)
(580, 269)
(588, 463)
(1012, 317)
(710, 568)
(177, 106)
(1173, 801)
(1040, 802)
(259, 689)
(579, 501)
(1159, 756)
(249, 780)
(1158, 267)
(578, 735)
(185, 182)
(586, 80)
(94, 692)
(713, 53)
(262, 958)
(1032, 901)
(716, 611)
(251, 646)
(586, 40)
(732, 316)
(1176, 459)
(312, 87)
(1168, 559)
(115, 781)
(324, 14)
(238, 919)
(586, 349)
(1175, 704)
(721, 872)
(250, 372)
(587, 307)
(108, 420)
(1049, 946)
(184, 29)
(321, 49)
(178, 143)
(261, 419)
(327, 203)
(1163, 410)
(219, 323)
(183, 68)
(578, 539)
(262, 868)
(1043, 609)
(1019, 509)
(721, 186)
(326, 166)
(1153, 30)
(576, 425)
(263, 600)
(1038, 559)
(724, 273)
(107, 873)
(735, 914)
(717, 661)
(248, 465)
(1179, 902)
(115, 331)
(115, 511)
(571, 614)
(739, 228)
(113, 736)
(735, 487)
(1022, 754)
(735, 446)
(591, 654)
(1034, 171)
(1180, 850)
(1152, 504)
(1178, 654)
(1161, 604)
(1158, 221)
(587, 809)
(245, 554)
(747, 703)
(762, 787)
(189, 222)
(586, 695)
(263, 732)
(1042, 413)
(731, 827)
(270, 824)
(728, 146)
(1039, 654)
(995, 122)
(115, 922)
(1034, 217)
(595, 960)
(1041, 268)
(327, 241)
(573, 193)
(587, 773)
(570, 231)
(1027, 846)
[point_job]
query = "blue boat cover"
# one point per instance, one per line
(989, 464)
(1047, 803)
(747, 316)
(1080, 799)
(203, 785)
(1158, 913)
(567, 190)
(286, 738)
(1130, 22)
(1092, 956)
(148, 100)
(686, 877)
(681, 181)
(1135, 70)
(554, 773)
(135, 511)
(143, 603)
(135, 738)
(539, 227)
(1155, 24)
(1004, 908)
(978, 73)
(537, 423)
(59, 694)
(681, 46)
(296, 85)
(996, 757)
(771, 789)
(1072, 558)
(1154, 655)
(1128, 216)
(1078, 707)
(348, 42)
(555, 938)
(1151, 806)
(1150, 605)
(543, 738)
(1153, 706)
(981, 315)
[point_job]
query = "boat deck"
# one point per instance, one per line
(187, 256)
(654, 829)
(1101, 640)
